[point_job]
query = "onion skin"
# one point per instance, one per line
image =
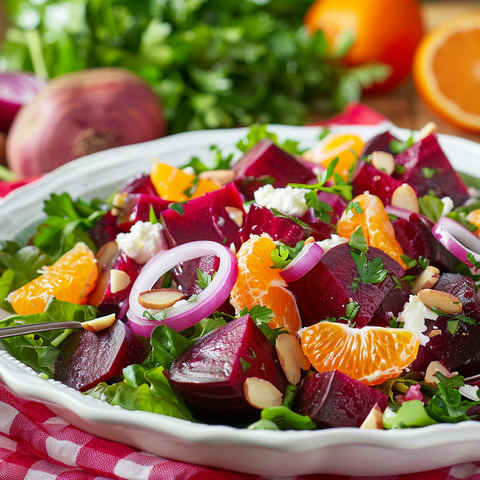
(81, 113)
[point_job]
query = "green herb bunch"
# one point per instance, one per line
(213, 63)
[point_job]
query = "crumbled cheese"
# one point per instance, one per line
(290, 201)
(332, 242)
(143, 242)
(470, 392)
(447, 205)
(414, 315)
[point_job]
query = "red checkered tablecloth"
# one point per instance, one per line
(35, 444)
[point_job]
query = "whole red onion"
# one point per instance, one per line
(82, 113)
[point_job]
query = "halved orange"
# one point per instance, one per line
(260, 284)
(371, 355)
(174, 184)
(446, 71)
(71, 278)
(376, 226)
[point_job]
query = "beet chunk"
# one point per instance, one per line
(264, 160)
(206, 218)
(416, 239)
(326, 290)
(140, 183)
(463, 347)
(445, 181)
(261, 220)
(105, 230)
(137, 208)
(333, 399)
(88, 358)
(379, 143)
(209, 375)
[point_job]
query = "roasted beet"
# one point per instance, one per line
(137, 208)
(212, 216)
(261, 220)
(209, 376)
(333, 399)
(380, 143)
(105, 230)
(366, 178)
(326, 290)
(185, 274)
(391, 306)
(461, 348)
(88, 358)
(140, 183)
(264, 160)
(427, 168)
(416, 239)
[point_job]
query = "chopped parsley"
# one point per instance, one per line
(157, 316)
(177, 207)
(204, 279)
(429, 172)
(244, 364)
(371, 271)
(358, 242)
(282, 254)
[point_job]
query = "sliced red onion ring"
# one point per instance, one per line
(185, 314)
(403, 213)
(458, 239)
(309, 256)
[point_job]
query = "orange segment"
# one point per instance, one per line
(259, 284)
(371, 355)
(474, 218)
(336, 145)
(71, 278)
(446, 71)
(171, 183)
(375, 224)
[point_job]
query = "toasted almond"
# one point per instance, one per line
(309, 240)
(291, 357)
(435, 367)
(220, 177)
(261, 394)
(117, 203)
(160, 299)
(427, 130)
(105, 253)
(443, 301)
(235, 214)
(119, 280)
(374, 419)
(427, 279)
(404, 197)
(434, 333)
(383, 161)
(100, 323)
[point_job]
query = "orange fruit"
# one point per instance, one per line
(386, 31)
(71, 278)
(173, 184)
(345, 146)
(474, 218)
(260, 284)
(371, 355)
(376, 226)
(446, 71)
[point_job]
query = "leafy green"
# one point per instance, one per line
(371, 271)
(289, 395)
(217, 161)
(258, 314)
(475, 263)
(152, 218)
(203, 327)
(429, 172)
(67, 224)
(282, 254)
(286, 419)
(177, 207)
(410, 414)
(153, 394)
(279, 214)
(156, 317)
(322, 210)
(167, 345)
(408, 261)
(40, 350)
(358, 242)
(213, 63)
(397, 146)
(431, 206)
(204, 279)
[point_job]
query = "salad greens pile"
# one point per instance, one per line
(213, 63)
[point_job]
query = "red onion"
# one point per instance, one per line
(81, 113)
(403, 213)
(309, 256)
(16, 89)
(458, 240)
(188, 313)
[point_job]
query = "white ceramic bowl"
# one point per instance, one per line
(345, 451)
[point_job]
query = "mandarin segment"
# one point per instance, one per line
(371, 355)
(260, 284)
(376, 226)
(70, 279)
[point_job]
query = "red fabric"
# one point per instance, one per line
(36, 444)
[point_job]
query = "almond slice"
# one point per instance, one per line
(291, 357)
(105, 253)
(235, 214)
(117, 203)
(427, 130)
(405, 197)
(99, 323)
(160, 299)
(220, 177)
(119, 280)
(427, 279)
(435, 367)
(374, 420)
(443, 301)
(261, 394)
(384, 162)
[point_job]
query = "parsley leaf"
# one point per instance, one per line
(429, 172)
(258, 313)
(358, 242)
(371, 271)
(282, 254)
(152, 218)
(475, 263)
(157, 316)
(397, 146)
(408, 261)
(204, 279)
(321, 209)
(431, 206)
(177, 207)
(217, 161)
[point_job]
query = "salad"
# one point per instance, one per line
(289, 290)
